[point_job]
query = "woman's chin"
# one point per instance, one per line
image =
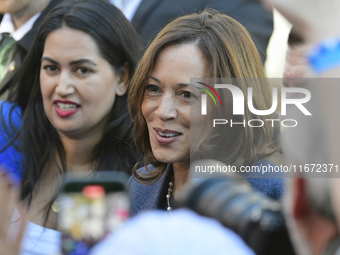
(172, 157)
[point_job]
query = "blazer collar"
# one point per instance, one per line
(157, 199)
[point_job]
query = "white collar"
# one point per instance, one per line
(7, 26)
(128, 7)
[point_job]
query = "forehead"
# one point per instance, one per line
(180, 63)
(67, 43)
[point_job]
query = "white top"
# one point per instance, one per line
(7, 26)
(128, 7)
(37, 240)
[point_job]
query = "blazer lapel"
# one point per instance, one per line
(159, 191)
(142, 12)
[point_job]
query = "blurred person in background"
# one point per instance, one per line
(150, 16)
(71, 112)
(312, 205)
(307, 202)
(202, 45)
(310, 216)
(19, 23)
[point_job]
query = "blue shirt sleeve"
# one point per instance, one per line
(10, 122)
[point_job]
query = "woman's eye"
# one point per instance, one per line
(152, 88)
(186, 94)
(51, 68)
(84, 70)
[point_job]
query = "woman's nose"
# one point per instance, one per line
(167, 108)
(66, 84)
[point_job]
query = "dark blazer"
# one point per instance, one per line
(23, 46)
(152, 197)
(152, 15)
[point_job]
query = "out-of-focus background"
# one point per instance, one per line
(276, 51)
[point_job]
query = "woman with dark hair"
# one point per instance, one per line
(70, 111)
(162, 99)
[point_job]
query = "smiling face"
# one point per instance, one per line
(167, 100)
(78, 85)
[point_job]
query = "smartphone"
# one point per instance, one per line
(91, 206)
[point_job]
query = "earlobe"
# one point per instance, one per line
(123, 82)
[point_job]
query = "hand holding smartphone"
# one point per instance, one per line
(91, 206)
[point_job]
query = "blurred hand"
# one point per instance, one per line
(8, 198)
(296, 66)
(314, 20)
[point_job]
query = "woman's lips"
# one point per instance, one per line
(65, 108)
(165, 137)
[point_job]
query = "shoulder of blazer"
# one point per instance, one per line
(270, 183)
(147, 197)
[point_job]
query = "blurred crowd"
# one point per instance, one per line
(133, 87)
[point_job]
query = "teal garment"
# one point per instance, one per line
(10, 158)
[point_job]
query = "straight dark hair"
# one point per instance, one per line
(38, 140)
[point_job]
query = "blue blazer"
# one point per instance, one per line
(10, 157)
(151, 197)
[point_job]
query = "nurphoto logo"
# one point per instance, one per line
(239, 103)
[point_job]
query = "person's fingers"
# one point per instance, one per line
(4, 195)
(12, 247)
(8, 198)
(17, 242)
(297, 55)
(13, 197)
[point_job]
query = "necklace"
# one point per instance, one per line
(168, 196)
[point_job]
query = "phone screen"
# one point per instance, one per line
(89, 214)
